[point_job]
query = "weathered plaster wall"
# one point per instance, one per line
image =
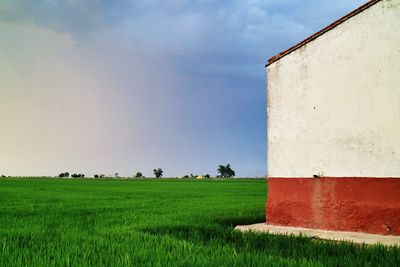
(334, 104)
(350, 204)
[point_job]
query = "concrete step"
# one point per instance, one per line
(355, 237)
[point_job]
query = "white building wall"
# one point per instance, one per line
(334, 104)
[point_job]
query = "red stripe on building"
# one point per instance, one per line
(367, 204)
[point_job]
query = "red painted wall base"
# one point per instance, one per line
(369, 205)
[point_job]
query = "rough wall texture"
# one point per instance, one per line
(334, 111)
(334, 104)
(370, 205)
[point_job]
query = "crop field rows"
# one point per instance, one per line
(165, 222)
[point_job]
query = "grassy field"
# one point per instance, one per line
(51, 222)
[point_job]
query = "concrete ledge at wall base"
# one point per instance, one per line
(355, 237)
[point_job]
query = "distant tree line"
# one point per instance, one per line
(66, 175)
(78, 175)
(224, 172)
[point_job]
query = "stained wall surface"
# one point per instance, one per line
(334, 104)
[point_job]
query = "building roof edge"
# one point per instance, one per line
(321, 32)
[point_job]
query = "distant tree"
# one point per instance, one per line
(102, 176)
(225, 171)
(229, 171)
(158, 172)
(96, 176)
(77, 175)
(139, 175)
(221, 170)
(64, 175)
(186, 176)
(207, 176)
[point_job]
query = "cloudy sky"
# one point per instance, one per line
(98, 86)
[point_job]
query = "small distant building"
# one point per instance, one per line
(334, 126)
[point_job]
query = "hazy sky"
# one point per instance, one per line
(98, 86)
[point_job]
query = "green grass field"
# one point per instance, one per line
(82, 222)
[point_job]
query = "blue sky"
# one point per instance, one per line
(98, 86)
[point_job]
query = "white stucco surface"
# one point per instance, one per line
(334, 104)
